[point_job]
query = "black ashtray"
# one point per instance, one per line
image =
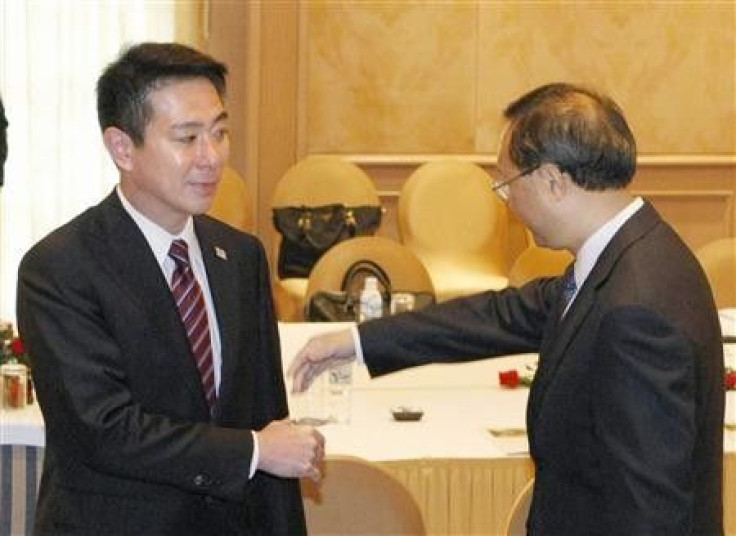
(406, 413)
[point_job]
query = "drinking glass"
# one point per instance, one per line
(402, 302)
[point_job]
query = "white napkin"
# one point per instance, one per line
(728, 321)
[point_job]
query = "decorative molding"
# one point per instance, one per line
(678, 160)
(684, 193)
(674, 160)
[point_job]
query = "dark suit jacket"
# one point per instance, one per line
(130, 444)
(625, 415)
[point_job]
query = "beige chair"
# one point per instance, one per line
(356, 496)
(404, 269)
(516, 520)
(233, 203)
(536, 261)
(449, 216)
(313, 181)
(718, 259)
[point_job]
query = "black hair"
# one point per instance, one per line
(583, 132)
(123, 88)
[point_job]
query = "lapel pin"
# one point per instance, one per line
(221, 253)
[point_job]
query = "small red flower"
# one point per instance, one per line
(509, 378)
(17, 348)
(730, 380)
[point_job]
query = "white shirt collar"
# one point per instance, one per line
(595, 244)
(159, 238)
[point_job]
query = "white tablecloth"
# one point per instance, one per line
(460, 402)
(22, 426)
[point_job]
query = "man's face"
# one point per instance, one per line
(540, 198)
(523, 198)
(175, 172)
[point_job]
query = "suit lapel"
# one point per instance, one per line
(222, 277)
(132, 263)
(560, 332)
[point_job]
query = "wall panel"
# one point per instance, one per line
(403, 78)
(390, 77)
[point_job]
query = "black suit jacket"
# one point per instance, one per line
(625, 414)
(131, 447)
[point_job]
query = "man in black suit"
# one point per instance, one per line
(625, 413)
(140, 438)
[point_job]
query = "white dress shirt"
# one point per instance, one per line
(595, 244)
(160, 241)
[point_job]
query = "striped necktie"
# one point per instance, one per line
(568, 289)
(190, 301)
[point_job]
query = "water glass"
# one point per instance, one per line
(339, 393)
(402, 302)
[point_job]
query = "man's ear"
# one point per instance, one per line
(120, 146)
(555, 181)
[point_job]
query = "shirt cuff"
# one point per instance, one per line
(358, 347)
(256, 455)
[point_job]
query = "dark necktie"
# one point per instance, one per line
(568, 289)
(190, 301)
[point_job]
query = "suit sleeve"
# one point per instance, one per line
(484, 325)
(644, 414)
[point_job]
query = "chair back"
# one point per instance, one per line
(516, 520)
(322, 180)
(449, 216)
(314, 181)
(536, 261)
(718, 259)
(356, 496)
(233, 203)
(404, 269)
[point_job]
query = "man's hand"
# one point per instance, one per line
(290, 450)
(321, 353)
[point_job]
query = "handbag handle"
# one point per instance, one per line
(366, 268)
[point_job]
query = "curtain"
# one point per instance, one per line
(51, 54)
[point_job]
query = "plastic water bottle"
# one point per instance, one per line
(371, 301)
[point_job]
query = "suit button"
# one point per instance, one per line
(202, 480)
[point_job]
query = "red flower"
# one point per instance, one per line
(730, 379)
(17, 348)
(509, 378)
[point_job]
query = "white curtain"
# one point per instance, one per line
(51, 53)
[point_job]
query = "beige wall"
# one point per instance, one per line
(390, 85)
(434, 78)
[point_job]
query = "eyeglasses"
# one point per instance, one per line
(502, 187)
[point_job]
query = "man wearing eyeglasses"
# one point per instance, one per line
(625, 413)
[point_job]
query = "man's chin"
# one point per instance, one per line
(201, 205)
